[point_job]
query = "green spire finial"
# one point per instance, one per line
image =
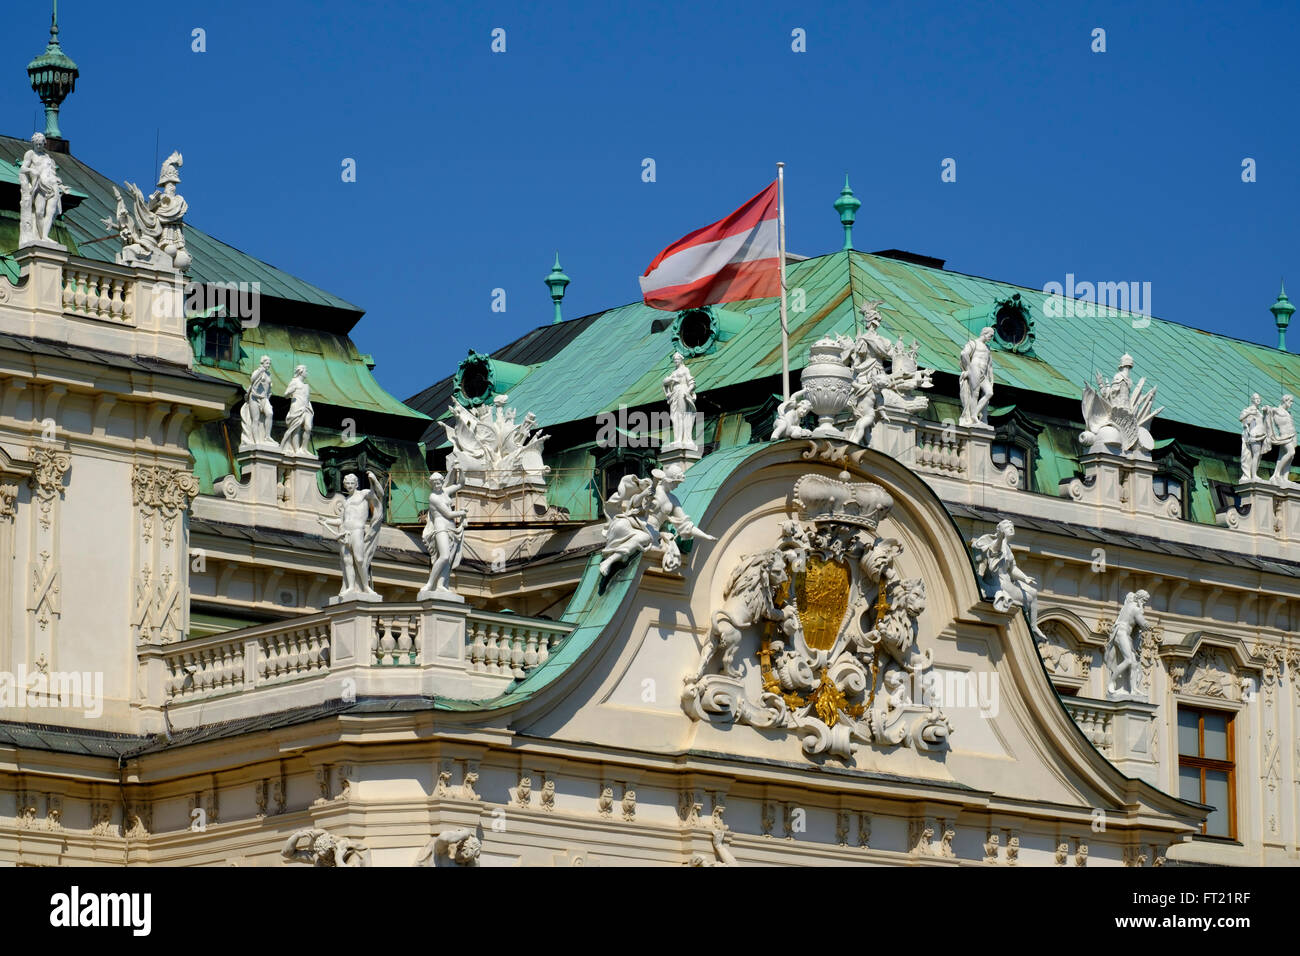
(54, 76)
(556, 282)
(847, 206)
(1282, 310)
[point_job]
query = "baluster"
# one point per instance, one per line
(79, 297)
(543, 647)
(517, 653)
(128, 302)
(478, 650)
(105, 300)
(530, 651)
(403, 625)
(493, 650)
(417, 639)
(69, 291)
(116, 305)
(324, 653)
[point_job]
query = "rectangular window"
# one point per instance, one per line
(1206, 767)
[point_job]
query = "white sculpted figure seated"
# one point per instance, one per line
(1001, 579)
(1117, 413)
(487, 441)
(357, 532)
(154, 234)
(636, 514)
(1121, 653)
(459, 845)
(322, 849)
(443, 537)
(830, 623)
(790, 415)
(255, 416)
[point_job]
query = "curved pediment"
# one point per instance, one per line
(836, 623)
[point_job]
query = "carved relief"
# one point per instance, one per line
(1211, 673)
(47, 480)
(836, 625)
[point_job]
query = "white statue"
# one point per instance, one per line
(868, 403)
(1001, 579)
(255, 417)
(721, 849)
(487, 440)
(790, 415)
(459, 845)
(357, 531)
(636, 514)
(1254, 439)
(153, 234)
(679, 390)
(444, 535)
(748, 600)
(323, 849)
(1120, 654)
(976, 383)
(301, 415)
(1116, 414)
(1281, 434)
(40, 195)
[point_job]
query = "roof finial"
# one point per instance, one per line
(54, 76)
(1282, 310)
(847, 206)
(556, 282)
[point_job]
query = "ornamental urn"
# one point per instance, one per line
(828, 384)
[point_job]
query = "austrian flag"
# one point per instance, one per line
(735, 258)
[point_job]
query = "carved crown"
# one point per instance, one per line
(822, 499)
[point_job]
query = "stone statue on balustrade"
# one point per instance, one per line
(1254, 439)
(635, 517)
(1001, 579)
(153, 230)
(301, 416)
(873, 354)
(40, 196)
(1280, 432)
(317, 847)
(255, 416)
(443, 537)
(357, 532)
(460, 845)
(976, 382)
(1121, 652)
(1116, 415)
(486, 441)
(679, 390)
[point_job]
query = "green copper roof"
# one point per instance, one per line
(1203, 379)
(214, 261)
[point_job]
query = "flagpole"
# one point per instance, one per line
(785, 329)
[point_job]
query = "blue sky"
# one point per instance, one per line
(474, 167)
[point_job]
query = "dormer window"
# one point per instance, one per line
(1005, 453)
(1013, 325)
(1172, 482)
(215, 339)
(1168, 486)
(1015, 443)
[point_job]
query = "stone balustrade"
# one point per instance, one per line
(99, 292)
(431, 648)
(504, 644)
(1095, 722)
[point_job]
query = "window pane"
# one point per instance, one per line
(1176, 489)
(1189, 784)
(1216, 794)
(1216, 736)
(1188, 737)
(1017, 456)
(999, 454)
(1159, 486)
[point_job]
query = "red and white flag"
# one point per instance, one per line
(734, 258)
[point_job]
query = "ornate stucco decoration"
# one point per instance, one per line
(319, 848)
(1116, 414)
(165, 493)
(47, 478)
(837, 628)
(460, 845)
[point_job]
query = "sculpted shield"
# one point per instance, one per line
(822, 595)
